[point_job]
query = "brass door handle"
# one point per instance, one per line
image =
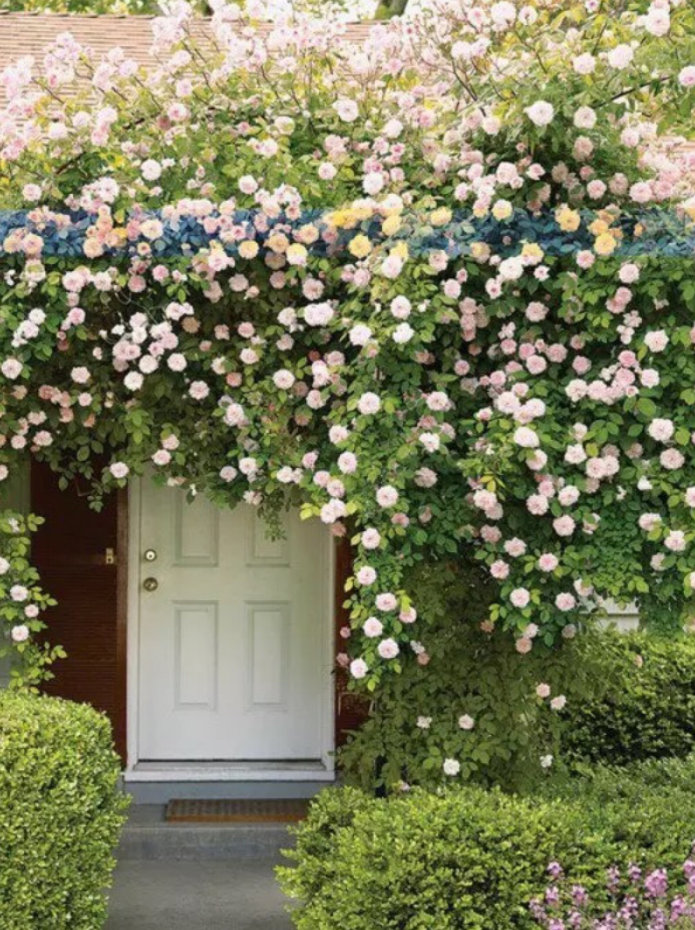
(150, 584)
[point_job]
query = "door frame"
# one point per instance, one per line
(137, 771)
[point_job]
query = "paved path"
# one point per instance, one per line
(173, 895)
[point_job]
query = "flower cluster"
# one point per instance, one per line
(640, 901)
(22, 602)
(314, 337)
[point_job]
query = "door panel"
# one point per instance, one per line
(89, 620)
(233, 640)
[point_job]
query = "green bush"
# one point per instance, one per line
(629, 697)
(469, 859)
(647, 711)
(469, 673)
(674, 774)
(60, 813)
(648, 806)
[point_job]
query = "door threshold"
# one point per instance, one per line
(220, 770)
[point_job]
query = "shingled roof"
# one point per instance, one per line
(30, 33)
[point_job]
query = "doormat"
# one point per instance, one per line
(274, 810)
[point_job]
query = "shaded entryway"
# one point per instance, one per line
(92, 562)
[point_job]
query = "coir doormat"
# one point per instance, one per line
(276, 810)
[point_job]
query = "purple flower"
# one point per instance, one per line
(646, 906)
(678, 909)
(658, 920)
(579, 896)
(656, 883)
(552, 895)
(612, 878)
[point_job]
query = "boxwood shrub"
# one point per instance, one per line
(60, 813)
(471, 858)
(648, 709)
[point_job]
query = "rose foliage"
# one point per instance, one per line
(422, 286)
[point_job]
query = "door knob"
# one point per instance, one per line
(150, 584)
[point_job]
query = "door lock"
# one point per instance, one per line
(150, 584)
(150, 555)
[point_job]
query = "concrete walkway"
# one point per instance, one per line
(236, 894)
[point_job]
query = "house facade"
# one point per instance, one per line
(210, 645)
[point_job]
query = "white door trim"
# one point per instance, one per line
(190, 771)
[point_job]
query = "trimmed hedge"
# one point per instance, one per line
(60, 813)
(647, 711)
(471, 859)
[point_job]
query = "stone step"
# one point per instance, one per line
(147, 836)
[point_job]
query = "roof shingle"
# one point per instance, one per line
(29, 33)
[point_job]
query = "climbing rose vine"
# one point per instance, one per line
(435, 287)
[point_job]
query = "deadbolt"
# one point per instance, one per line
(150, 555)
(150, 584)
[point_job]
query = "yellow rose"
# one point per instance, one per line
(117, 237)
(360, 246)
(605, 244)
(350, 218)
(441, 216)
(401, 250)
(567, 219)
(532, 252)
(336, 218)
(391, 225)
(296, 254)
(480, 251)
(248, 249)
(610, 215)
(277, 242)
(502, 209)
(599, 227)
(480, 211)
(362, 210)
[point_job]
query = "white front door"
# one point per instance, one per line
(234, 641)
